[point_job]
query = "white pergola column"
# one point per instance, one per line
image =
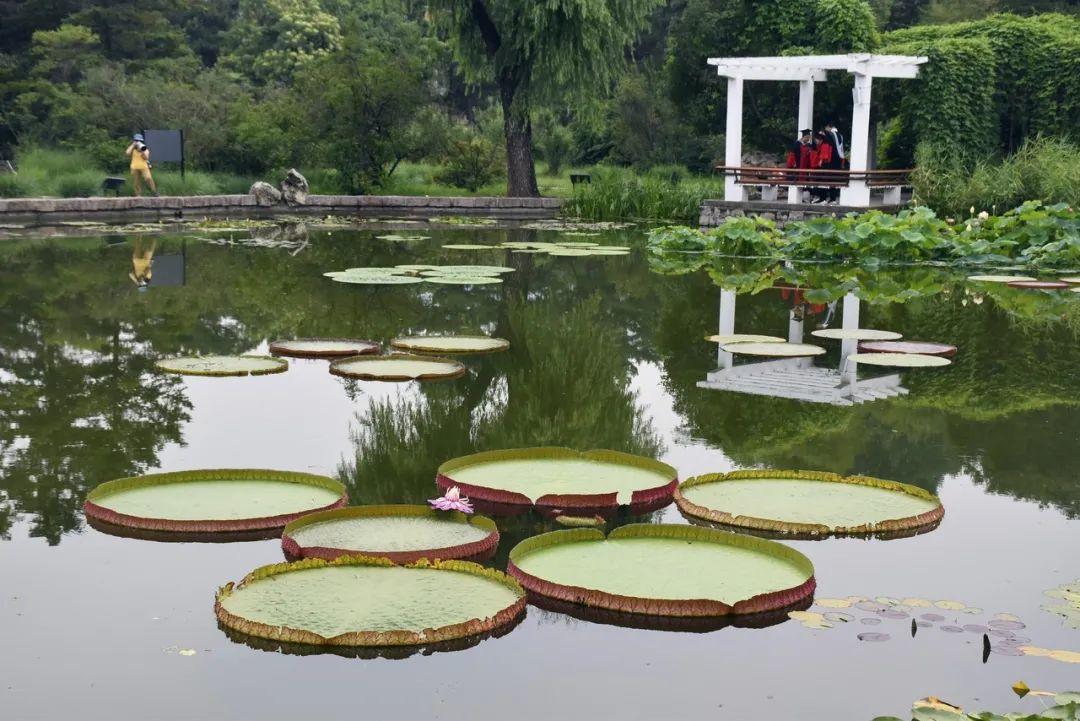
(806, 120)
(849, 321)
(857, 193)
(733, 138)
(727, 326)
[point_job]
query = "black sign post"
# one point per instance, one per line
(166, 146)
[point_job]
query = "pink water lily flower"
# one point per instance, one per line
(452, 501)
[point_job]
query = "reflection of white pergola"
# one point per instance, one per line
(807, 70)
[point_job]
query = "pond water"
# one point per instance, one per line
(606, 352)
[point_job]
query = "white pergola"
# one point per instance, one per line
(807, 70)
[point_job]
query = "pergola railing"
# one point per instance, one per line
(820, 177)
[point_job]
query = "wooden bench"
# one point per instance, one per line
(576, 178)
(769, 180)
(112, 183)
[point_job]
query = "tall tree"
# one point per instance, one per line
(535, 51)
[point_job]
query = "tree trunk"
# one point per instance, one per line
(520, 169)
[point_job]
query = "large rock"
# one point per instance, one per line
(294, 189)
(265, 194)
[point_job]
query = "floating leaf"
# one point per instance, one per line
(873, 637)
(916, 347)
(808, 503)
(950, 605)
(223, 365)
(998, 278)
(663, 570)
(975, 628)
(916, 602)
(463, 279)
(570, 252)
(323, 347)
(838, 617)
(1069, 593)
(399, 367)
(377, 279)
(212, 501)
(1006, 624)
(578, 245)
(402, 533)
(855, 334)
(932, 617)
(469, 246)
(1055, 654)
(451, 344)
(809, 619)
(870, 621)
(899, 360)
(416, 267)
(744, 338)
(387, 605)
(394, 238)
(1039, 284)
(951, 629)
(833, 602)
(187, 652)
(934, 709)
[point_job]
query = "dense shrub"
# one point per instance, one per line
(471, 162)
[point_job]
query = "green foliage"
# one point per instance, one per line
(272, 40)
(617, 193)
(845, 26)
(1032, 234)
(1045, 169)
(471, 162)
(993, 82)
(556, 144)
(62, 55)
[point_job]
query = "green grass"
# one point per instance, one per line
(663, 193)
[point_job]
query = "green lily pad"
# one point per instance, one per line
(998, 278)
(223, 365)
(899, 360)
(463, 279)
(744, 338)
(323, 347)
(575, 244)
(469, 246)
(399, 367)
(1069, 607)
(416, 267)
(663, 570)
(377, 279)
(212, 501)
(361, 601)
(394, 238)
(856, 334)
(609, 251)
(570, 252)
(404, 534)
(450, 344)
(554, 476)
(804, 502)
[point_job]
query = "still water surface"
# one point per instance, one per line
(606, 353)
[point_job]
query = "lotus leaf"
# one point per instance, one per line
(403, 534)
(1069, 609)
(899, 360)
(663, 570)
(809, 503)
(399, 367)
(323, 347)
(453, 344)
(856, 334)
(774, 350)
(223, 365)
(212, 501)
(361, 601)
(560, 478)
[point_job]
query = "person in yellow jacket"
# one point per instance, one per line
(139, 153)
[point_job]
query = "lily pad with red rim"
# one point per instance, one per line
(223, 365)
(362, 601)
(212, 501)
(397, 368)
(774, 350)
(402, 533)
(560, 481)
(451, 344)
(908, 346)
(1039, 284)
(808, 503)
(646, 569)
(323, 347)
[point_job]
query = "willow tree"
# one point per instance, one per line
(535, 51)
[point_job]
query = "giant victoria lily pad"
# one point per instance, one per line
(362, 601)
(400, 367)
(223, 365)
(856, 334)
(402, 533)
(908, 346)
(212, 501)
(663, 570)
(899, 360)
(808, 503)
(774, 350)
(323, 347)
(560, 481)
(455, 344)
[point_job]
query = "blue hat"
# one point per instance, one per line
(138, 136)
